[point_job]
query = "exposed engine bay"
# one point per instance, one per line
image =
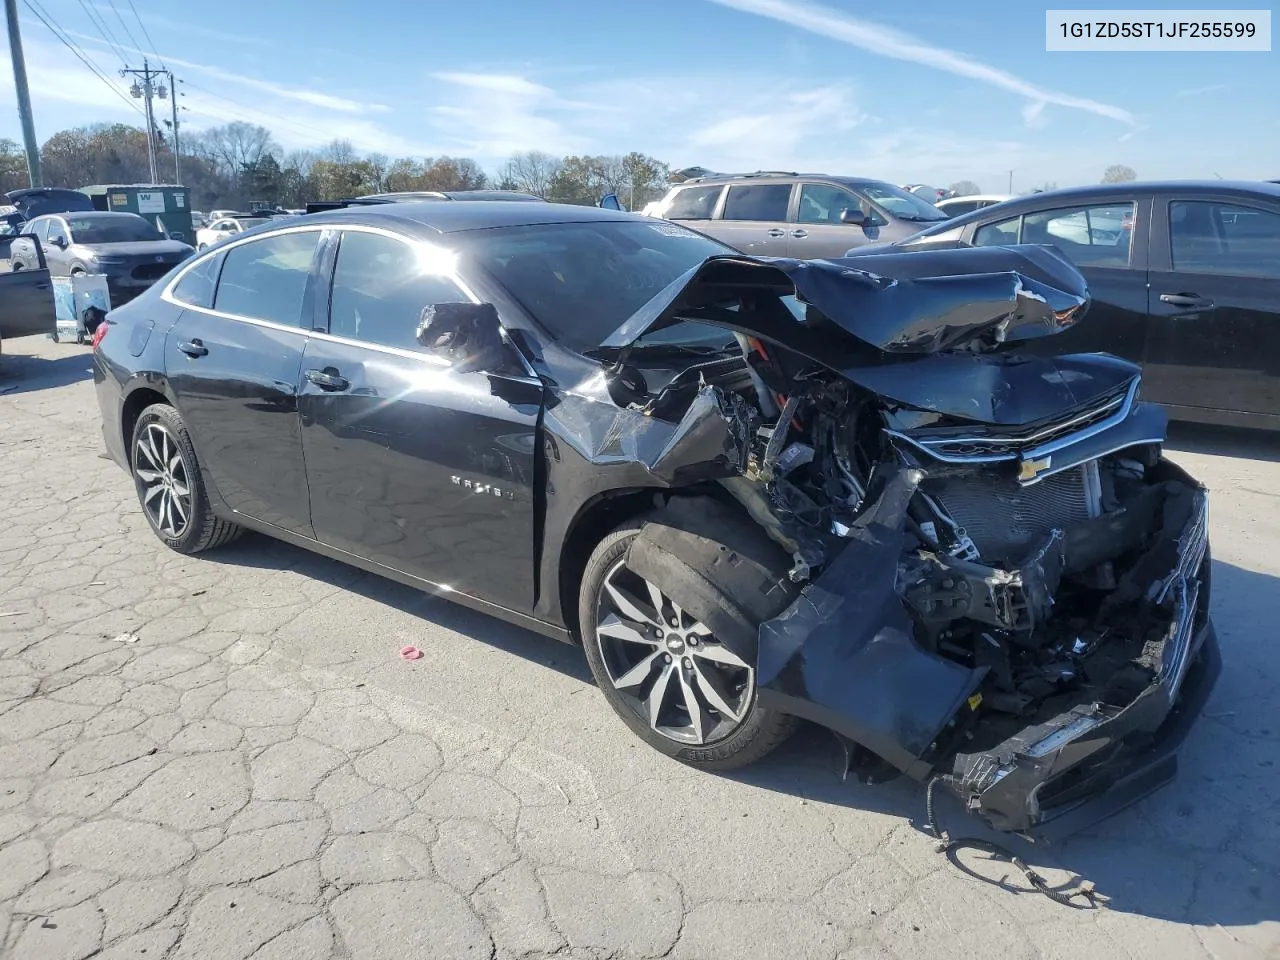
(999, 577)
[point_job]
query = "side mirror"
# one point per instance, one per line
(610, 201)
(468, 335)
(856, 218)
(59, 242)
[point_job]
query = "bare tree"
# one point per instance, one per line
(532, 172)
(233, 146)
(965, 188)
(1119, 173)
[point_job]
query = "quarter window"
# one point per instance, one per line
(1211, 237)
(380, 286)
(1000, 234)
(266, 278)
(197, 284)
(823, 203)
(757, 201)
(694, 203)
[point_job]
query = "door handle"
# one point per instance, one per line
(1186, 300)
(43, 286)
(775, 232)
(193, 348)
(799, 234)
(327, 379)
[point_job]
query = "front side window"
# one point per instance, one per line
(541, 266)
(126, 228)
(1210, 237)
(380, 285)
(1091, 236)
(197, 284)
(757, 201)
(694, 203)
(266, 278)
(824, 203)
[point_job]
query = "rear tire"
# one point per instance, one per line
(170, 489)
(630, 669)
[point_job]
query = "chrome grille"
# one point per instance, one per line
(995, 446)
(1006, 520)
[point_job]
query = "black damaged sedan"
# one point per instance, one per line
(755, 491)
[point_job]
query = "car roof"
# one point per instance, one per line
(1101, 191)
(455, 217)
(92, 214)
(721, 178)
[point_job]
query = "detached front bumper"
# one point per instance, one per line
(1087, 763)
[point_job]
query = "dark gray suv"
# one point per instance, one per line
(806, 216)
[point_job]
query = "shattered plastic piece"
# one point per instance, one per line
(410, 652)
(125, 638)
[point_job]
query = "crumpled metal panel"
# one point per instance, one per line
(844, 653)
(971, 299)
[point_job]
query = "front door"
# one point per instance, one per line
(1215, 306)
(754, 219)
(26, 297)
(818, 232)
(234, 369)
(1107, 243)
(411, 464)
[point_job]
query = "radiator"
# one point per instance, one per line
(1005, 520)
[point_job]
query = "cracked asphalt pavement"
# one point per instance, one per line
(258, 775)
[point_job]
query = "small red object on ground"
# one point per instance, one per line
(410, 653)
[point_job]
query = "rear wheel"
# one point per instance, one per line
(167, 477)
(665, 673)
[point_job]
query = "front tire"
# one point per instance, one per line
(684, 693)
(170, 489)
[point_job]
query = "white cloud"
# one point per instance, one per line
(1033, 114)
(497, 82)
(1197, 91)
(887, 42)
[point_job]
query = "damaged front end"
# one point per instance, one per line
(1000, 582)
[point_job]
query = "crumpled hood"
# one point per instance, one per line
(973, 299)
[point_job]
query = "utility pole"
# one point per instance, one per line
(145, 91)
(1010, 181)
(177, 152)
(24, 95)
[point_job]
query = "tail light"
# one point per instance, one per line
(99, 332)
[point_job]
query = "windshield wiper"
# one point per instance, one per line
(684, 349)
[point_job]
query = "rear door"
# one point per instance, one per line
(1215, 305)
(753, 218)
(695, 206)
(233, 363)
(1107, 241)
(411, 464)
(26, 297)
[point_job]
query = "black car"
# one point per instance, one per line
(124, 247)
(755, 490)
(1184, 276)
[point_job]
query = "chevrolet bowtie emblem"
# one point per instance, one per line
(1030, 469)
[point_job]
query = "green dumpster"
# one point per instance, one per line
(165, 205)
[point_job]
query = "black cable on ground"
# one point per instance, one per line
(948, 845)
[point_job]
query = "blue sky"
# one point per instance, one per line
(925, 91)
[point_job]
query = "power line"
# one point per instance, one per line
(300, 128)
(57, 31)
(147, 34)
(104, 32)
(127, 32)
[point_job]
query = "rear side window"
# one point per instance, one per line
(196, 286)
(1091, 236)
(757, 201)
(380, 286)
(266, 278)
(962, 206)
(694, 203)
(40, 230)
(1211, 237)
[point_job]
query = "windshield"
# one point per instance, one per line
(582, 280)
(124, 229)
(900, 203)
